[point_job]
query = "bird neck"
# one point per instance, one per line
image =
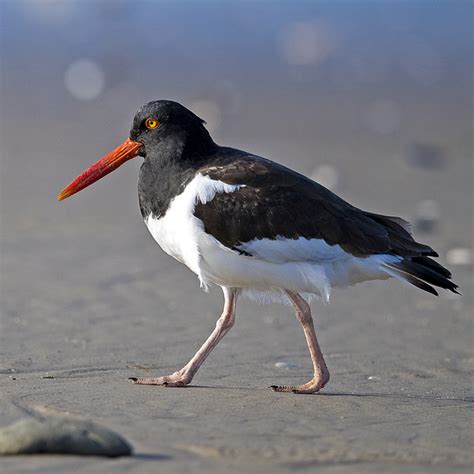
(197, 144)
(169, 167)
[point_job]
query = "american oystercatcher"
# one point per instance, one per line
(253, 226)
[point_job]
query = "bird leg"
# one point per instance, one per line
(321, 372)
(185, 375)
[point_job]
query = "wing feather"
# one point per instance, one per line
(278, 202)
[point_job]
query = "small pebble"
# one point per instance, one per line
(285, 365)
(60, 435)
(459, 256)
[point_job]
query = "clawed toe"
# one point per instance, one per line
(283, 388)
(175, 380)
(313, 386)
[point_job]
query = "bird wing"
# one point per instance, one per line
(274, 202)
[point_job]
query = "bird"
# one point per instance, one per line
(256, 228)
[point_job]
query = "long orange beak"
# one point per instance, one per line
(127, 150)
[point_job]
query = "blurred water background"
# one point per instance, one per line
(373, 99)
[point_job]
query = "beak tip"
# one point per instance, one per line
(61, 196)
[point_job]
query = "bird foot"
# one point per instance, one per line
(313, 386)
(178, 379)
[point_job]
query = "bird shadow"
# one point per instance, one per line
(394, 395)
(408, 396)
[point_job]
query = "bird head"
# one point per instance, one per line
(158, 127)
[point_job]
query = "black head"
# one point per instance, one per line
(164, 132)
(165, 126)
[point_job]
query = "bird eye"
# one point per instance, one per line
(151, 123)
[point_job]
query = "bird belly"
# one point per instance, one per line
(265, 275)
(307, 266)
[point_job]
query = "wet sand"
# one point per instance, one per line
(88, 299)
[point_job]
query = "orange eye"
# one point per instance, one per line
(151, 123)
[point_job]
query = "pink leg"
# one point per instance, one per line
(185, 375)
(321, 372)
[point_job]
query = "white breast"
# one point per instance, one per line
(178, 232)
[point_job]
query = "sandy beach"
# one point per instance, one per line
(88, 298)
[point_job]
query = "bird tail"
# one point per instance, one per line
(422, 272)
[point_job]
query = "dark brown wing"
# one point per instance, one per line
(275, 201)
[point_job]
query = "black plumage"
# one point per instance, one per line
(277, 201)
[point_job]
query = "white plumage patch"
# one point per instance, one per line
(178, 231)
(281, 250)
(305, 265)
